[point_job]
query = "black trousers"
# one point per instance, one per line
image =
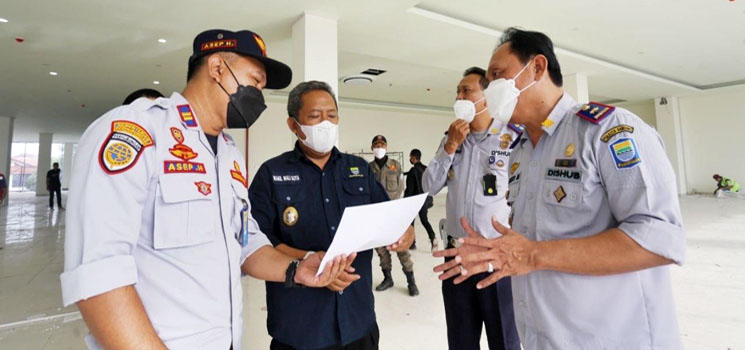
(466, 309)
(368, 342)
(425, 222)
(52, 191)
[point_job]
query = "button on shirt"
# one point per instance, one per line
(151, 205)
(300, 205)
(463, 173)
(583, 178)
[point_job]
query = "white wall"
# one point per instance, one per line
(714, 139)
(644, 109)
(405, 128)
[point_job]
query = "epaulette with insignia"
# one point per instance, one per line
(595, 112)
(515, 128)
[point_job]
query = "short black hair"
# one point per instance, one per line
(416, 153)
(526, 44)
(55, 163)
(481, 73)
(295, 100)
(149, 93)
(194, 66)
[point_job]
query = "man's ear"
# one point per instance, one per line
(540, 66)
(292, 124)
(215, 67)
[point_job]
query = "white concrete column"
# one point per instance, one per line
(315, 50)
(67, 165)
(667, 113)
(576, 86)
(44, 163)
(6, 141)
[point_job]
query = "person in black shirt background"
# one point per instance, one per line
(414, 187)
(54, 186)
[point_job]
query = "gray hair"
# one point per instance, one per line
(295, 100)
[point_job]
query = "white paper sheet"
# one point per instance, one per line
(370, 226)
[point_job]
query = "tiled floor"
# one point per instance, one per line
(709, 289)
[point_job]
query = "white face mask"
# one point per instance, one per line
(320, 137)
(501, 97)
(466, 110)
(379, 152)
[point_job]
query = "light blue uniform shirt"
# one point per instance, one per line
(621, 179)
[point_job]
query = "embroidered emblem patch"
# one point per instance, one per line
(203, 187)
(123, 147)
(625, 153)
(615, 131)
(179, 167)
(187, 116)
(236, 174)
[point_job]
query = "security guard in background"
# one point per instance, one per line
(298, 199)
(596, 218)
(159, 229)
(389, 173)
(472, 162)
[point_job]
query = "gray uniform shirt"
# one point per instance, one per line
(463, 173)
(589, 173)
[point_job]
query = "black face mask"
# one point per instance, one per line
(245, 106)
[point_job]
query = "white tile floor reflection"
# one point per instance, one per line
(708, 289)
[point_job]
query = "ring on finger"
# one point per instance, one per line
(491, 268)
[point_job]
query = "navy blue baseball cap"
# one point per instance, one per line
(244, 42)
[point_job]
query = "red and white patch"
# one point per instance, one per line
(204, 188)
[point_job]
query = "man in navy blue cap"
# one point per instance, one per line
(160, 230)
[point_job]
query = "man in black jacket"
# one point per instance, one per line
(414, 187)
(54, 185)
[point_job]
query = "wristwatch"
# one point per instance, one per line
(290, 275)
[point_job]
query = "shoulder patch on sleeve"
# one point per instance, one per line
(615, 131)
(595, 112)
(123, 147)
(624, 153)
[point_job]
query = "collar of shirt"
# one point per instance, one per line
(298, 155)
(557, 114)
(480, 136)
(179, 100)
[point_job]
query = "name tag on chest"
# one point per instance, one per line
(563, 174)
(286, 179)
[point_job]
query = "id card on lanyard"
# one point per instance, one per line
(243, 234)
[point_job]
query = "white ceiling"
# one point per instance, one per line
(104, 49)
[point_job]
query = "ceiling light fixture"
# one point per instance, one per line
(53, 73)
(359, 79)
(156, 82)
(162, 41)
(3, 20)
